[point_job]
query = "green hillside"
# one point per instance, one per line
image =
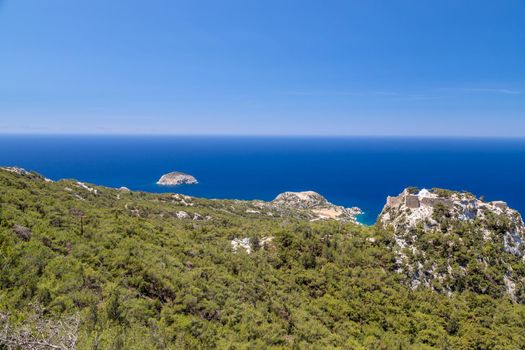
(89, 267)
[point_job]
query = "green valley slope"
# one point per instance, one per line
(89, 267)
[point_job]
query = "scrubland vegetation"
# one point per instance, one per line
(120, 270)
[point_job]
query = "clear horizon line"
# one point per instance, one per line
(444, 136)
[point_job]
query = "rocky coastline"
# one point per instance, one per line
(316, 205)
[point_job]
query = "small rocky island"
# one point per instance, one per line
(176, 178)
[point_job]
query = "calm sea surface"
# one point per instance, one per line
(348, 171)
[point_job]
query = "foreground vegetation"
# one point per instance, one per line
(134, 275)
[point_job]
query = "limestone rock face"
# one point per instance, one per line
(301, 200)
(176, 178)
(408, 210)
(441, 235)
(316, 205)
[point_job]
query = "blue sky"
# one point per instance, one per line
(353, 67)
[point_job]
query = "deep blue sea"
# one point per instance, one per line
(348, 171)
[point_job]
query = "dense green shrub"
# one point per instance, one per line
(140, 278)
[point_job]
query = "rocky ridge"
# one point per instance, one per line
(434, 229)
(317, 206)
(21, 171)
(410, 209)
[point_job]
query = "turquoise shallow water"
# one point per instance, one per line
(348, 171)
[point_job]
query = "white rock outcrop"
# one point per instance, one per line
(317, 206)
(23, 172)
(241, 243)
(246, 244)
(408, 210)
(182, 215)
(453, 215)
(86, 187)
(176, 178)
